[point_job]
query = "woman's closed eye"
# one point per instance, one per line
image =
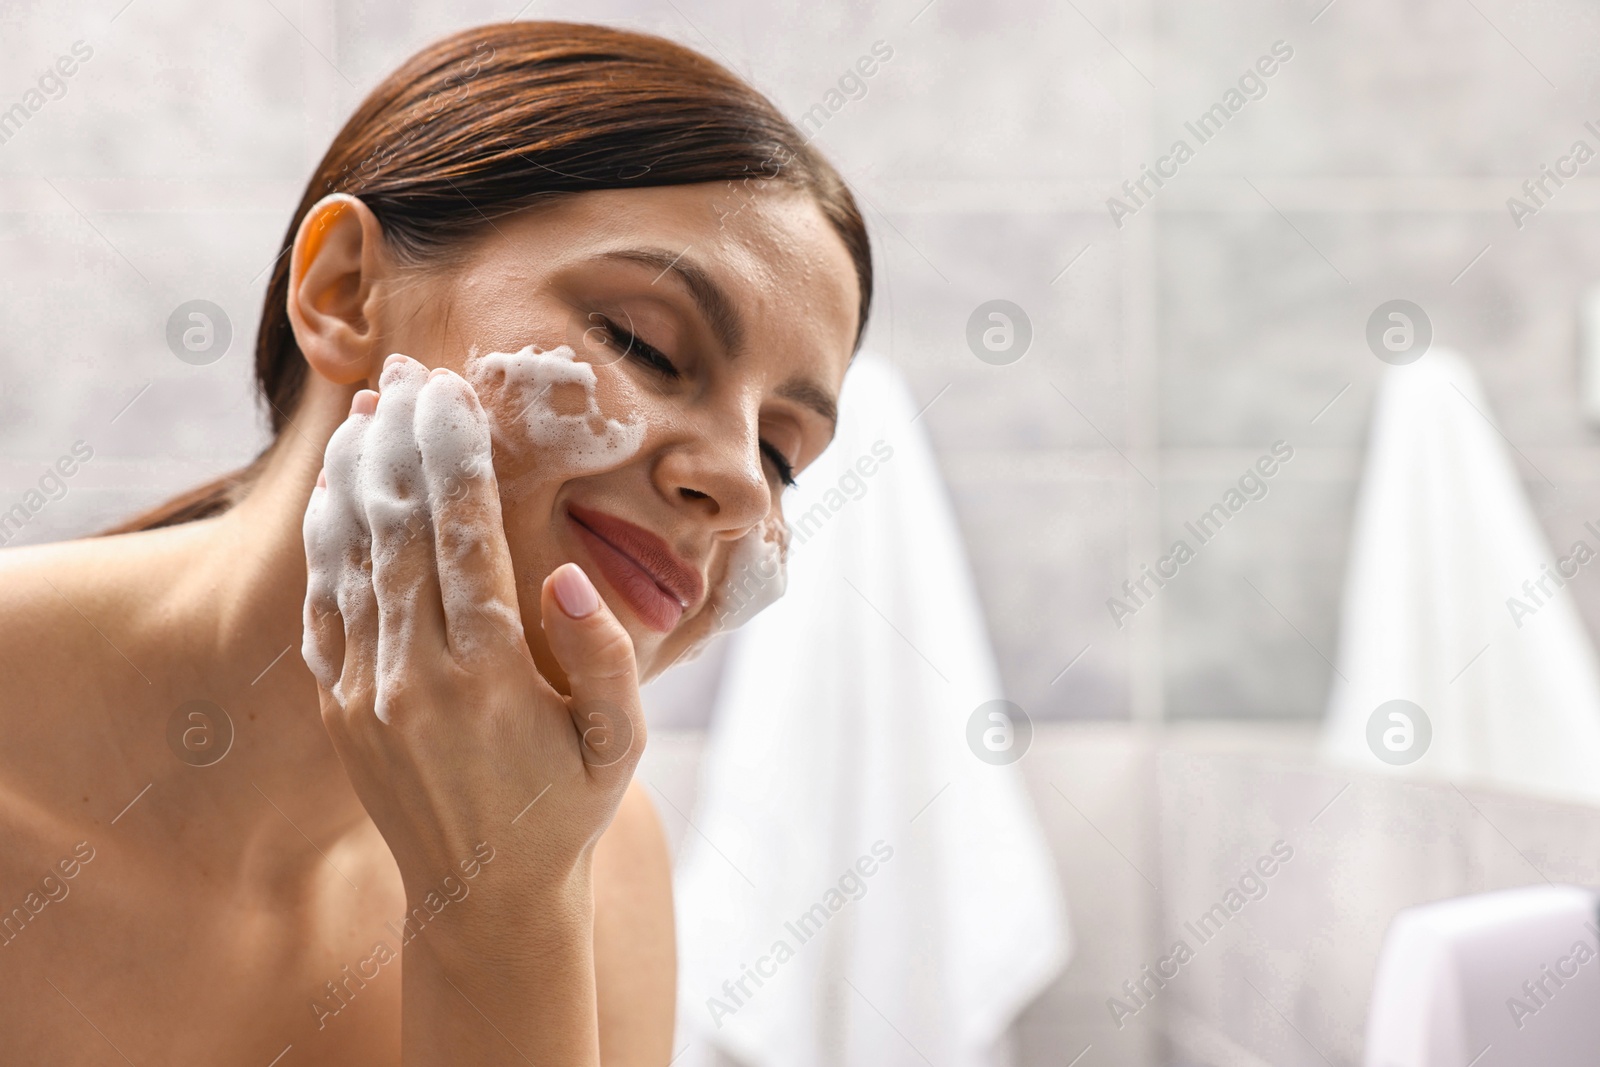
(632, 346)
(784, 467)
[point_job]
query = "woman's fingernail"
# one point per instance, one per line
(322, 479)
(438, 372)
(574, 592)
(392, 357)
(365, 402)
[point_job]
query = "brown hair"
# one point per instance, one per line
(495, 119)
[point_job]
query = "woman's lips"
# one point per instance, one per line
(657, 585)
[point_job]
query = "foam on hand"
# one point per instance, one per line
(402, 512)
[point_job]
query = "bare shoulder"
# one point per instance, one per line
(64, 605)
(65, 641)
(46, 658)
(45, 678)
(32, 604)
(634, 944)
(78, 655)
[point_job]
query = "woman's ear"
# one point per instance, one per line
(336, 260)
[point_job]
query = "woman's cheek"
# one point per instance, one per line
(554, 415)
(752, 575)
(755, 574)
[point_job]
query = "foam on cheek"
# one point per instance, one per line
(527, 389)
(755, 576)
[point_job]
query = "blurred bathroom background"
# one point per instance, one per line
(1166, 351)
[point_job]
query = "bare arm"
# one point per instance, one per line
(504, 988)
(458, 748)
(636, 968)
(634, 960)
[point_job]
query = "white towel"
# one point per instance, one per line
(884, 897)
(1503, 979)
(1437, 612)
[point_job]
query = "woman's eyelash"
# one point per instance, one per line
(785, 468)
(632, 346)
(654, 359)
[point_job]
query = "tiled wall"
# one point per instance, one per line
(1167, 354)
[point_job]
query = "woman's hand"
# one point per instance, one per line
(449, 734)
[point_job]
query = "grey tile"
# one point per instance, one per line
(1258, 333)
(1430, 87)
(1233, 651)
(1038, 554)
(937, 269)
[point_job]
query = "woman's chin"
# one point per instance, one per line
(680, 646)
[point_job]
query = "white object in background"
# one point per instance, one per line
(1503, 979)
(1589, 353)
(1442, 606)
(861, 889)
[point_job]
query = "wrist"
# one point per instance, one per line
(518, 954)
(502, 910)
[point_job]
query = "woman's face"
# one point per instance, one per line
(709, 328)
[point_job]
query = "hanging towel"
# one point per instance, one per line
(1451, 604)
(858, 888)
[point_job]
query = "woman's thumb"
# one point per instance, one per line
(596, 654)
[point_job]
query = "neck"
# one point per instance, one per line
(229, 631)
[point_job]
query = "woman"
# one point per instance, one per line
(228, 834)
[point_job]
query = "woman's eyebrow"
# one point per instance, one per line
(813, 396)
(709, 297)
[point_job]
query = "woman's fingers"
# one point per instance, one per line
(476, 579)
(322, 646)
(597, 655)
(410, 631)
(342, 546)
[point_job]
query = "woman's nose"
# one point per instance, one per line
(722, 476)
